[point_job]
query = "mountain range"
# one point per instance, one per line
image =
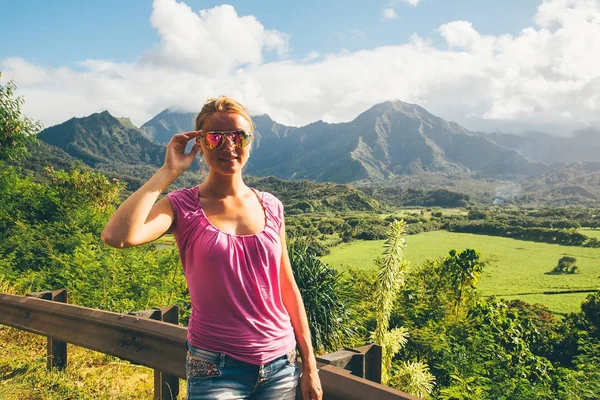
(584, 145)
(395, 138)
(386, 143)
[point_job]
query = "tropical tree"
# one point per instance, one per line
(411, 377)
(566, 265)
(391, 277)
(325, 294)
(462, 270)
(16, 130)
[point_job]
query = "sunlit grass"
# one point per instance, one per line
(89, 374)
(166, 240)
(589, 232)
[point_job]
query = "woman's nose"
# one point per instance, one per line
(229, 141)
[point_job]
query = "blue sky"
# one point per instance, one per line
(67, 31)
(511, 65)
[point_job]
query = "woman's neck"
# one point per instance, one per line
(217, 185)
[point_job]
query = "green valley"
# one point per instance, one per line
(516, 269)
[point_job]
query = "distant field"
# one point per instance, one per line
(589, 232)
(406, 212)
(518, 272)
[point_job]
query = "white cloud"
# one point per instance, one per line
(389, 13)
(217, 39)
(353, 34)
(412, 2)
(546, 77)
(311, 56)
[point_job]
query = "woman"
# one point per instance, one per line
(247, 313)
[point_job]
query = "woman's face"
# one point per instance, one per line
(228, 159)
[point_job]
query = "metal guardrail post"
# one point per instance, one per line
(166, 387)
(55, 349)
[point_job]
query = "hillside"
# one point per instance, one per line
(111, 145)
(305, 196)
(395, 147)
(161, 128)
(584, 145)
(574, 183)
(101, 138)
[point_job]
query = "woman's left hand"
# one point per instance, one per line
(310, 385)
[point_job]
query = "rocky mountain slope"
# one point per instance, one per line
(392, 144)
(391, 138)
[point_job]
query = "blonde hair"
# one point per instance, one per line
(222, 104)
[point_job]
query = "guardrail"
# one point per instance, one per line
(160, 345)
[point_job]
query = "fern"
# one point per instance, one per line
(413, 378)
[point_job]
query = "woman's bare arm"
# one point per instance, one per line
(310, 383)
(141, 219)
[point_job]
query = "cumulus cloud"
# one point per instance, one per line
(311, 56)
(212, 40)
(545, 77)
(412, 2)
(389, 13)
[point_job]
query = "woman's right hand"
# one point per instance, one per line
(176, 160)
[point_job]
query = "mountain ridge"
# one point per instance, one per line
(389, 139)
(386, 140)
(391, 143)
(101, 138)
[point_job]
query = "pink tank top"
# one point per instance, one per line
(234, 282)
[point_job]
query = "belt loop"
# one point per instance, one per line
(222, 361)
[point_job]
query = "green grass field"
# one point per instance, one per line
(589, 232)
(519, 269)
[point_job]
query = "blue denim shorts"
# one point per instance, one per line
(218, 376)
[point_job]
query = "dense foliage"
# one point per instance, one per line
(16, 130)
(304, 196)
(325, 297)
(566, 265)
(487, 348)
(407, 197)
(53, 241)
(549, 225)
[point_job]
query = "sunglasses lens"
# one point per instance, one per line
(241, 138)
(214, 140)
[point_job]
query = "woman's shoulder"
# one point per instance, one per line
(273, 207)
(269, 199)
(185, 198)
(272, 204)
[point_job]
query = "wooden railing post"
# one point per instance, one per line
(56, 350)
(166, 387)
(372, 359)
(364, 361)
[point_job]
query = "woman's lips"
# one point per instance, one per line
(228, 158)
